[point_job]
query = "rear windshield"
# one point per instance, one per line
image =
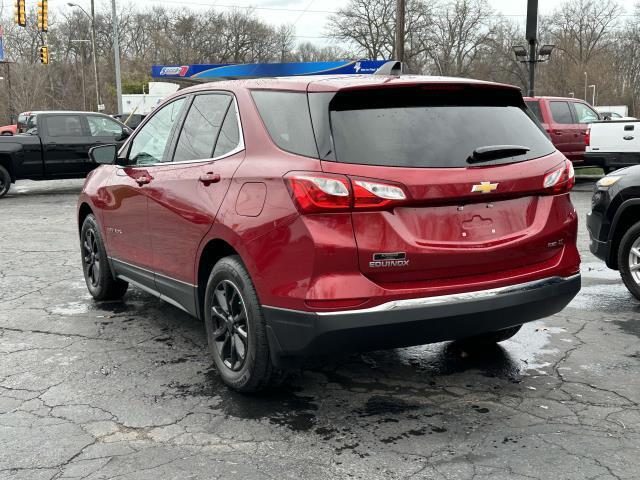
(417, 127)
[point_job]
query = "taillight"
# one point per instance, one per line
(587, 138)
(320, 192)
(316, 192)
(373, 194)
(561, 179)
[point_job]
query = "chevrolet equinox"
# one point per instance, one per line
(303, 216)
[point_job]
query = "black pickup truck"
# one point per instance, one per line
(57, 146)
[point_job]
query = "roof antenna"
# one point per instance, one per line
(392, 67)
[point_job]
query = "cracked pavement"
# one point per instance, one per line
(125, 389)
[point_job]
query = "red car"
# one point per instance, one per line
(8, 130)
(566, 121)
(303, 216)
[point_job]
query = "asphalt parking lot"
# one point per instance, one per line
(126, 390)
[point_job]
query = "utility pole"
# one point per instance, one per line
(400, 24)
(95, 60)
(532, 38)
(92, 19)
(116, 49)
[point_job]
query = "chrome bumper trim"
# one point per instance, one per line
(411, 303)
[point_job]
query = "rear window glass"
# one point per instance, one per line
(415, 127)
(561, 113)
(286, 116)
(535, 108)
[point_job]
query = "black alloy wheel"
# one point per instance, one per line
(91, 257)
(231, 328)
(236, 328)
(101, 282)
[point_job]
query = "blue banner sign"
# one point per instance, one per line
(252, 70)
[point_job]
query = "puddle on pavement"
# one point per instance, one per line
(70, 308)
(280, 405)
(290, 407)
(611, 298)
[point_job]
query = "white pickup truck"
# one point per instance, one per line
(613, 144)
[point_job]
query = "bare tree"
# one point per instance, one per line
(461, 30)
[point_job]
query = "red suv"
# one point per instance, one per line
(566, 121)
(304, 216)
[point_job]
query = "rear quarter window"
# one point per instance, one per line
(286, 117)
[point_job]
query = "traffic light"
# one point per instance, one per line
(21, 16)
(43, 15)
(44, 54)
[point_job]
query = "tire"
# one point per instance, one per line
(628, 261)
(491, 338)
(236, 331)
(6, 134)
(5, 181)
(98, 276)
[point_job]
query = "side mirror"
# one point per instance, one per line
(104, 154)
(32, 131)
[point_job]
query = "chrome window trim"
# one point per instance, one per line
(411, 303)
(238, 149)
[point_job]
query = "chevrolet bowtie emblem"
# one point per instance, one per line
(484, 187)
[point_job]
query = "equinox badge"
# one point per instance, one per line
(484, 187)
(397, 259)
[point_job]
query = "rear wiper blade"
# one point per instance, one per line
(495, 152)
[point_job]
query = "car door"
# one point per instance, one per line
(64, 144)
(125, 213)
(187, 192)
(102, 130)
(563, 129)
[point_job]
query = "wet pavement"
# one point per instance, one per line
(125, 389)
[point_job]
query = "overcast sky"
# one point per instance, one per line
(310, 16)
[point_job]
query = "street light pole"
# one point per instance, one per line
(93, 48)
(116, 49)
(593, 98)
(400, 29)
(585, 86)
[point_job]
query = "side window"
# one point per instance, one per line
(151, 140)
(64, 126)
(229, 136)
(585, 114)
(561, 113)
(201, 126)
(535, 108)
(103, 127)
(288, 121)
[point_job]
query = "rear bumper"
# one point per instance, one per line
(418, 321)
(612, 159)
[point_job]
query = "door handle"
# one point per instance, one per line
(209, 178)
(143, 180)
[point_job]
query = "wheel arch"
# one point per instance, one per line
(627, 215)
(213, 249)
(84, 210)
(6, 160)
